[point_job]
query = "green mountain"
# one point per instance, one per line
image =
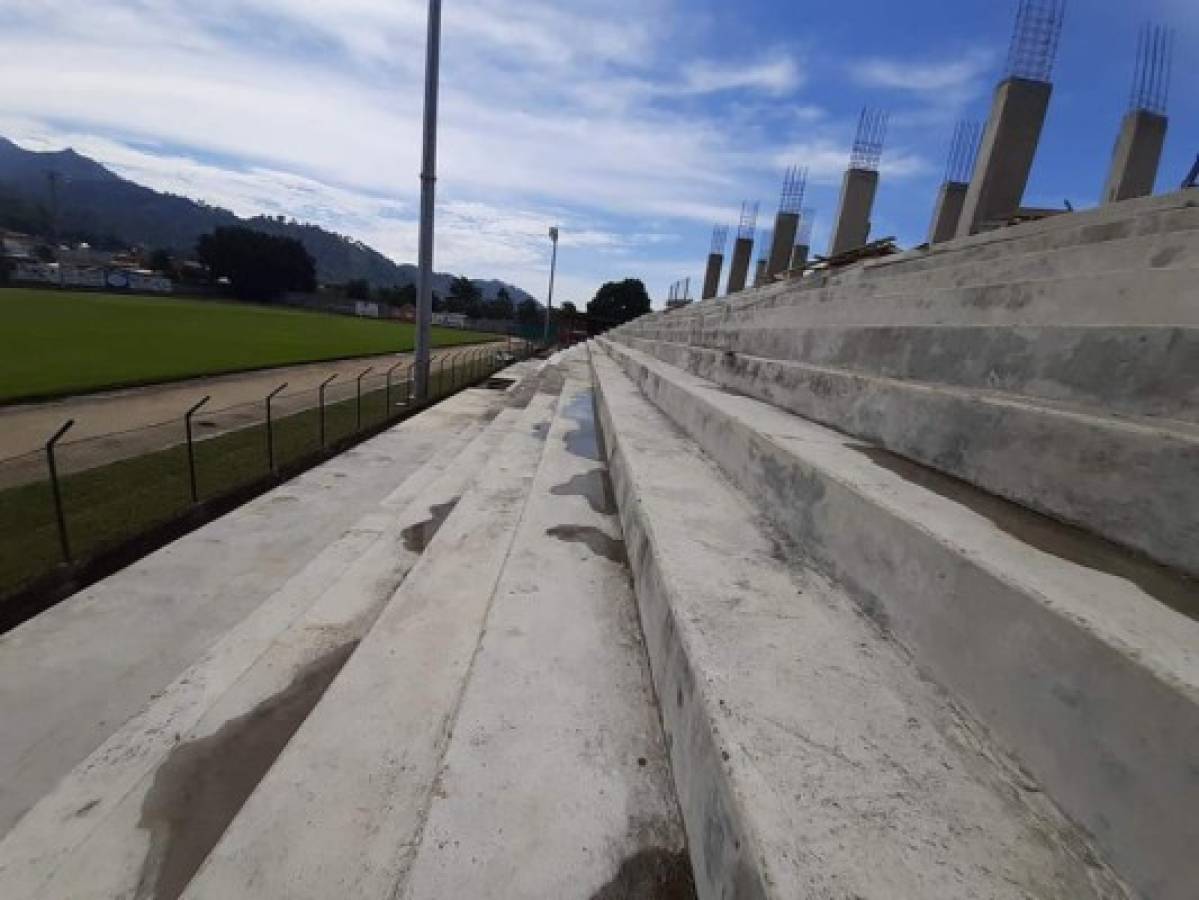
(98, 206)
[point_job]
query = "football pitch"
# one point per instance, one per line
(55, 344)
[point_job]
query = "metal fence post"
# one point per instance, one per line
(270, 430)
(389, 372)
(191, 450)
(361, 375)
(321, 392)
(58, 511)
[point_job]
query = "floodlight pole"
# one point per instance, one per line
(549, 303)
(428, 180)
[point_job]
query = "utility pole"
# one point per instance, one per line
(428, 181)
(549, 303)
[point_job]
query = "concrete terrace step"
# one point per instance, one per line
(139, 815)
(71, 677)
(1148, 216)
(811, 757)
(1072, 239)
(1076, 660)
(1123, 370)
(1150, 297)
(1176, 250)
(1079, 465)
(340, 812)
(556, 783)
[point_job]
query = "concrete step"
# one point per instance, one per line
(341, 809)
(140, 814)
(1144, 298)
(811, 755)
(1175, 250)
(1106, 475)
(556, 783)
(71, 677)
(1167, 221)
(1157, 215)
(1083, 664)
(1122, 370)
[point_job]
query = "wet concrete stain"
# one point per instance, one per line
(594, 486)
(651, 874)
(204, 783)
(1048, 535)
(417, 537)
(597, 542)
(584, 440)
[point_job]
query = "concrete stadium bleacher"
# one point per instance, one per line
(878, 583)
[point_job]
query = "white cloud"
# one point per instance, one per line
(778, 74)
(961, 76)
(551, 112)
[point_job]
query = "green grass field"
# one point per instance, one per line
(58, 343)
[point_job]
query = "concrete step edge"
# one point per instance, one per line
(788, 713)
(84, 838)
(1085, 677)
(341, 807)
(555, 783)
(1099, 473)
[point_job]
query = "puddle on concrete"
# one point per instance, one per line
(594, 486)
(1049, 535)
(417, 537)
(584, 440)
(204, 783)
(598, 542)
(651, 874)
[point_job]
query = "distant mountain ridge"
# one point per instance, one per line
(96, 202)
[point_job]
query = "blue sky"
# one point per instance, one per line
(633, 124)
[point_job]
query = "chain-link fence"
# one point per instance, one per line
(74, 500)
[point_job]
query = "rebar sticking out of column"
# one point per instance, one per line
(868, 144)
(963, 150)
(1154, 65)
(1035, 39)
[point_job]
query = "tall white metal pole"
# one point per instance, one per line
(428, 182)
(549, 303)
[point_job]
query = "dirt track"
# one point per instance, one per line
(128, 415)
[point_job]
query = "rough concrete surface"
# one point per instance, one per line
(74, 675)
(555, 783)
(340, 811)
(1079, 466)
(812, 757)
(1088, 678)
(176, 774)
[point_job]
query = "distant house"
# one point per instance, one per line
(449, 320)
(16, 246)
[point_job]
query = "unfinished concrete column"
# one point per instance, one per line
(952, 195)
(720, 237)
(743, 249)
(803, 241)
(760, 272)
(1143, 134)
(1018, 110)
(786, 222)
(860, 185)
(853, 212)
